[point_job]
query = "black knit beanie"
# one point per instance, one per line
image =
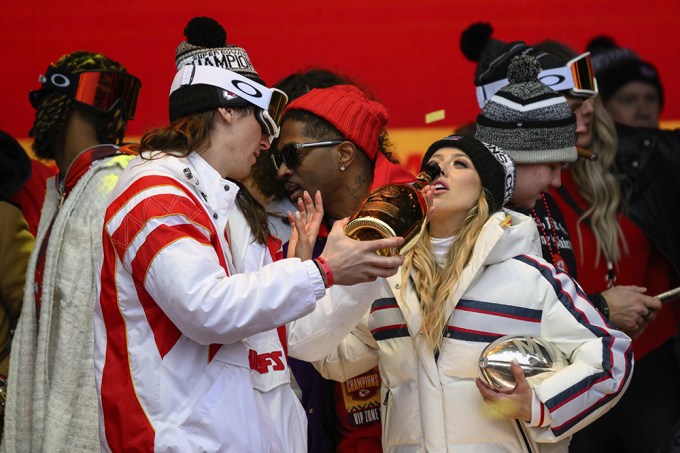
(493, 56)
(616, 66)
(495, 168)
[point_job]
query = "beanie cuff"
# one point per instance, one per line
(348, 110)
(548, 143)
(544, 156)
(191, 99)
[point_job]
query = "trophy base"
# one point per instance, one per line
(370, 229)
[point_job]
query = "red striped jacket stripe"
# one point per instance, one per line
(129, 422)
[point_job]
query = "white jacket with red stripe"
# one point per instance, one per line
(187, 355)
(432, 404)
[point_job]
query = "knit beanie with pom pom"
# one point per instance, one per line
(527, 119)
(206, 45)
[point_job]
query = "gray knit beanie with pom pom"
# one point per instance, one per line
(527, 119)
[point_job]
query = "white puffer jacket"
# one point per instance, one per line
(432, 404)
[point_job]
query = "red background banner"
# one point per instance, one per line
(406, 53)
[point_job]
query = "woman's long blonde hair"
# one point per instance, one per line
(594, 180)
(433, 284)
(597, 185)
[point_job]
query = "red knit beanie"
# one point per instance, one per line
(350, 111)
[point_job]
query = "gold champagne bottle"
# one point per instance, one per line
(393, 210)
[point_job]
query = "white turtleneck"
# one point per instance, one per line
(440, 247)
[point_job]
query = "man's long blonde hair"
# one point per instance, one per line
(434, 284)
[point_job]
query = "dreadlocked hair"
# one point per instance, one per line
(191, 133)
(434, 284)
(54, 108)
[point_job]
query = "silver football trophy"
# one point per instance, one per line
(538, 358)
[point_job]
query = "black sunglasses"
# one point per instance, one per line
(289, 153)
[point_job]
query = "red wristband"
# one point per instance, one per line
(323, 265)
(321, 273)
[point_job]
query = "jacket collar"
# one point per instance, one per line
(219, 194)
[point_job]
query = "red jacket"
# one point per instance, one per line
(642, 265)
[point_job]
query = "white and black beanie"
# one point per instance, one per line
(530, 121)
(206, 45)
(495, 167)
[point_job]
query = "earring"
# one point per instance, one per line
(342, 168)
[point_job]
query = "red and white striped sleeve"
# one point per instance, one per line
(171, 258)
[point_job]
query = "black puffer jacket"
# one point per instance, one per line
(648, 169)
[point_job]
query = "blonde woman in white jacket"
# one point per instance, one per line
(474, 276)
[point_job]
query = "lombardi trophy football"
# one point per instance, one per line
(537, 357)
